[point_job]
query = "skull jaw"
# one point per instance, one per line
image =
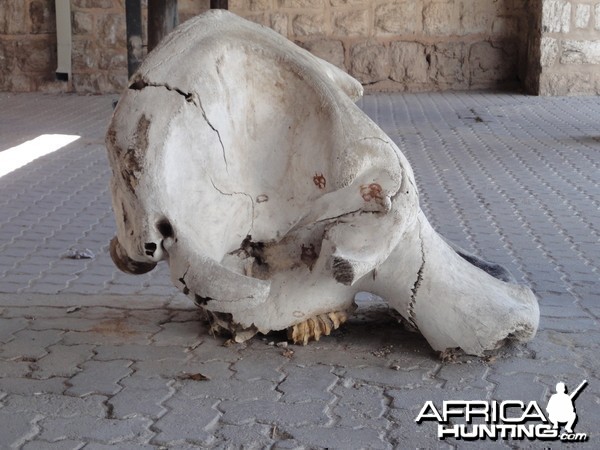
(453, 303)
(243, 304)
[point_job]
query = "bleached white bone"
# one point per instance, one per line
(243, 161)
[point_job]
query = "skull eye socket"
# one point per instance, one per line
(165, 228)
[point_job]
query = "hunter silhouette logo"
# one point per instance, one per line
(561, 408)
(508, 419)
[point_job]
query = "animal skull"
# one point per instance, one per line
(243, 161)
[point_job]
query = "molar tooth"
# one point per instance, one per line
(334, 319)
(315, 328)
(325, 324)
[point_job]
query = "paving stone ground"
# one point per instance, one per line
(96, 359)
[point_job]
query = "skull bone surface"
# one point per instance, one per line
(243, 161)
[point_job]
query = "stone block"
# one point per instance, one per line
(249, 436)
(41, 16)
(83, 22)
(312, 384)
(56, 405)
(133, 402)
(99, 4)
(328, 49)
(178, 423)
(13, 19)
(111, 30)
(556, 16)
(369, 62)
(117, 81)
(279, 23)
(597, 17)
(112, 59)
(477, 16)
(489, 62)
(17, 428)
(261, 366)
(62, 361)
(14, 369)
(10, 326)
(441, 19)
(580, 52)
(19, 82)
(88, 428)
(94, 83)
(279, 413)
(190, 8)
(409, 62)
(448, 63)
(351, 23)
(399, 18)
(85, 55)
(5, 72)
(137, 352)
(582, 15)
(259, 18)
(30, 387)
(188, 333)
(362, 437)
(237, 6)
(300, 3)
(29, 344)
(549, 51)
(100, 377)
(65, 444)
(347, 2)
(308, 25)
(237, 390)
(360, 405)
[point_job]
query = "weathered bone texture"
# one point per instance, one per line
(242, 160)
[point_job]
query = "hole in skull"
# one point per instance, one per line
(165, 228)
(201, 301)
(138, 85)
(150, 248)
(256, 250)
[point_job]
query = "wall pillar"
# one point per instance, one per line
(569, 47)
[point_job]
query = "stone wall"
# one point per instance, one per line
(99, 56)
(406, 44)
(27, 44)
(100, 41)
(547, 46)
(570, 47)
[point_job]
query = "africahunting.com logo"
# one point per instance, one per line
(509, 419)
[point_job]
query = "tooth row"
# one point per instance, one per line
(315, 327)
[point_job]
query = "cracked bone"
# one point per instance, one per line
(243, 161)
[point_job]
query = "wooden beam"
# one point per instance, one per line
(162, 18)
(133, 20)
(219, 4)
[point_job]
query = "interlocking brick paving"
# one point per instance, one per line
(93, 358)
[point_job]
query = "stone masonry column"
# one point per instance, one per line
(569, 47)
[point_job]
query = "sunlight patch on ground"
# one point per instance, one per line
(15, 157)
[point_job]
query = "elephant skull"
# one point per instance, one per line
(243, 161)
